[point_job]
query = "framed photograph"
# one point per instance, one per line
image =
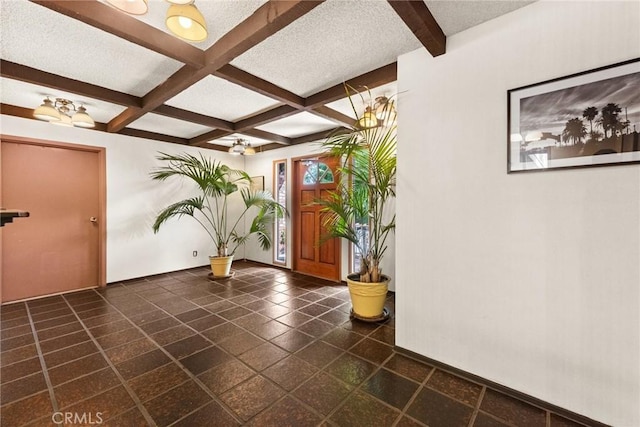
(586, 119)
(257, 183)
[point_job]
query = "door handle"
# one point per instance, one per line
(93, 219)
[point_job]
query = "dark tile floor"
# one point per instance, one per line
(266, 348)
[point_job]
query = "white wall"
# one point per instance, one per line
(528, 280)
(133, 200)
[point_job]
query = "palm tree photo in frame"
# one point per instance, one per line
(586, 119)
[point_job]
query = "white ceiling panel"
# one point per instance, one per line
(219, 98)
(454, 16)
(229, 140)
(26, 95)
(168, 126)
(363, 97)
(43, 39)
(298, 125)
(336, 41)
(220, 16)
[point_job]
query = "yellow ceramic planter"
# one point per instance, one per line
(368, 299)
(221, 265)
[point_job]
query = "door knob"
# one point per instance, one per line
(93, 219)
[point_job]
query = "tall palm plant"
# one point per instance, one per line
(217, 183)
(367, 184)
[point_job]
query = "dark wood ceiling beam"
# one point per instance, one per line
(266, 117)
(189, 116)
(111, 20)
(420, 21)
(153, 135)
(268, 136)
(333, 115)
(267, 147)
(264, 22)
(42, 78)
(267, 20)
(210, 146)
(256, 84)
(179, 81)
(208, 136)
(314, 136)
(372, 79)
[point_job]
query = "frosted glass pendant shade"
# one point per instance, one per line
(82, 119)
(368, 119)
(46, 112)
(64, 121)
(186, 22)
(133, 7)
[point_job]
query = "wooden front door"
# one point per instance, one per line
(57, 248)
(313, 179)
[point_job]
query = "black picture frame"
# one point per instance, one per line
(585, 119)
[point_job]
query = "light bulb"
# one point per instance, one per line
(185, 22)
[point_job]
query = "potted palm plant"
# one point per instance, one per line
(358, 209)
(217, 184)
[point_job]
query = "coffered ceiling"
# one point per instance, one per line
(271, 71)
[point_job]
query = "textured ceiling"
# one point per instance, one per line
(340, 38)
(270, 71)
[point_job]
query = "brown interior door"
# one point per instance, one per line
(313, 179)
(56, 248)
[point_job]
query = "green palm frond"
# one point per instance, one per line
(367, 183)
(217, 183)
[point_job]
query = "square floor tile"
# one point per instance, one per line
(226, 376)
(130, 350)
(512, 410)
(456, 387)
(251, 397)
(390, 388)
(187, 346)
(109, 404)
(205, 360)
(20, 369)
(360, 409)
(141, 364)
(408, 367)
(30, 409)
(319, 354)
(23, 387)
(372, 350)
(156, 382)
(435, 409)
(208, 414)
(241, 343)
(292, 341)
(351, 369)
(323, 393)
(287, 412)
(85, 387)
(77, 368)
(176, 403)
(290, 372)
(262, 356)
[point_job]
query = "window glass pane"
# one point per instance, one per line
(280, 232)
(318, 172)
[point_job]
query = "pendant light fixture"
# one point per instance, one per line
(186, 21)
(242, 147)
(379, 112)
(133, 7)
(59, 113)
(368, 119)
(183, 18)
